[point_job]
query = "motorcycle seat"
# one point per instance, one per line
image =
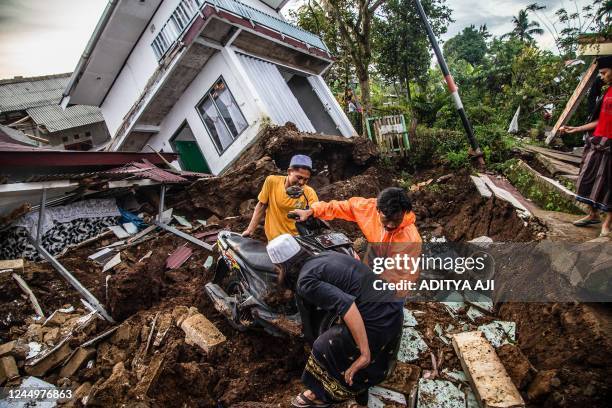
(252, 251)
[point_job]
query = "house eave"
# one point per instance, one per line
(107, 51)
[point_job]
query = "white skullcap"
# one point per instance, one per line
(282, 248)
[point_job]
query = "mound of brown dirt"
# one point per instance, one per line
(366, 184)
(222, 196)
(463, 214)
(572, 339)
(134, 288)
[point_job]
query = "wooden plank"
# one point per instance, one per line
(555, 154)
(14, 264)
(574, 101)
(487, 375)
(555, 166)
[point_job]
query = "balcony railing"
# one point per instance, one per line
(187, 10)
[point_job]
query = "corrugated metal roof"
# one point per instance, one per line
(150, 171)
(178, 257)
(54, 118)
(22, 93)
(276, 94)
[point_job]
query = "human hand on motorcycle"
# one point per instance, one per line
(247, 233)
(362, 362)
(301, 215)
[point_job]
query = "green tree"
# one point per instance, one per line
(311, 17)
(470, 45)
(524, 29)
(567, 26)
(354, 20)
(403, 49)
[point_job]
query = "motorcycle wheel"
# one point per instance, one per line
(244, 319)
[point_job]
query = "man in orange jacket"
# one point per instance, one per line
(387, 222)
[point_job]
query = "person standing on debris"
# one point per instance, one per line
(356, 354)
(594, 185)
(282, 194)
(387, 222)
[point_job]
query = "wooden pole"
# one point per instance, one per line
(574, 101)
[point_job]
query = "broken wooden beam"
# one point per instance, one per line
(487, 375)
(11, 264)
(8, 369)
(579, 93)
(555, 154)
(76, 361)
(49, 360)
(26, 289)
(556, 167)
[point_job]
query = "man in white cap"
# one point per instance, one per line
(355, 355)
(274, 202)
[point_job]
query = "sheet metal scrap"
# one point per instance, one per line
(178, 257)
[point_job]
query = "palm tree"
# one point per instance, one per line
(524, 29)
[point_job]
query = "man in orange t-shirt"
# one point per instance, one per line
(387, 222)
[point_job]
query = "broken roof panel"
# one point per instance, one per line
(150, 171)
(18, 94)
(14, 136)
(55, 119)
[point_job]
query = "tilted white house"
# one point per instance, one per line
(201, 77)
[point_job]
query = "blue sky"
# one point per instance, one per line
(40, 37)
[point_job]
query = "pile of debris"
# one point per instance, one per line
(163, 343)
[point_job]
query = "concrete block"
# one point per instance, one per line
(79, 357)
(51, 359)
(7, 348)
(200, 331)
(8, 369)
(490, 381)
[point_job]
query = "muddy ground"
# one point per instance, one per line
(562, 356)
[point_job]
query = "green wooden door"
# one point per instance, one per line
(190, 156)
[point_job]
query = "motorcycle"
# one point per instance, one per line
(244, 287)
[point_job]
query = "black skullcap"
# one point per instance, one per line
(604, 62)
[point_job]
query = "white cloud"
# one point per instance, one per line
(45, 37)
(40, 37)
(497, 15)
